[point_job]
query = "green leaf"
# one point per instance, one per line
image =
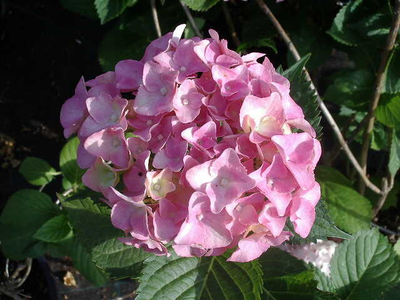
(88, 217)
(348, 209)
(83, 263)
(54, 230)
(200, 5)
(393, 293)
(296, 286)
(324, 282)
(25, 212)
(394, 159)
(83, 7)
(110, 9)
(37, 171)
(276, 263)
(189, 32)
(364, 267)
(117, 259)
(351, 88)
(295, 71)
(302, 93)
(340, 30)
(379, 140)
(392, 73)
(388, 110)
(259, 43)
(396, 248)
(68, 162)
(199, 278)
(373, 29)
(310, 39)
(119, 44)
(322, 229)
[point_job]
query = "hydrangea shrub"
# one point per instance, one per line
(198, 147)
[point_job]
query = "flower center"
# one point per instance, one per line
(160, 137)
(163, 91)
(185, 101)
(156, 187)
(224, 182)
(116, 142)
(183, 69)
(200, 217)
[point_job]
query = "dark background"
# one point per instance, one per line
(44, 50)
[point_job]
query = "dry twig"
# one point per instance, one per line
(322, 105)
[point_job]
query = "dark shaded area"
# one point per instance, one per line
(45, 49)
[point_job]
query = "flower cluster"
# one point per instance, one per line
(197, 146)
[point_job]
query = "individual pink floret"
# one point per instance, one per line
(155, 95)
(104, 112)
(223, 179)
(202, 226)
(129, 74)
(300, 153)
(187, 101)
(74, 111)
(159, 184)
(111, 145)
(99, 176)
(171, 156)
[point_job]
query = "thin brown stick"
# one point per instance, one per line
(229, 21)
(155, 17)
(394, 30)
(10, 294)
(322, 105)
(191, 20)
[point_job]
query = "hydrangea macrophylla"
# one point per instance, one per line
(211, 153)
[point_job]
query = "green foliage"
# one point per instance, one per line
(340, 30)
(119, 44)
(37, 171)
(394, 159)
(83, 7)
(189, 32)
(109, 254)
(322, 229)
(352, 89)
(363, 268)
(82, 261)
(392, 73)
(110, 9)
(68, 164)
(310, 39)
(302, 93)
(388, 110)
(54, 230)
(347, 208)
(199, 278)
(119, 260)
(200, 5)
(286, 277)
(25, 212)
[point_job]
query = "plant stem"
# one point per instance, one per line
(229, 20)
(394, 30)
(191, 20)
(322, 105)
(155, 17)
